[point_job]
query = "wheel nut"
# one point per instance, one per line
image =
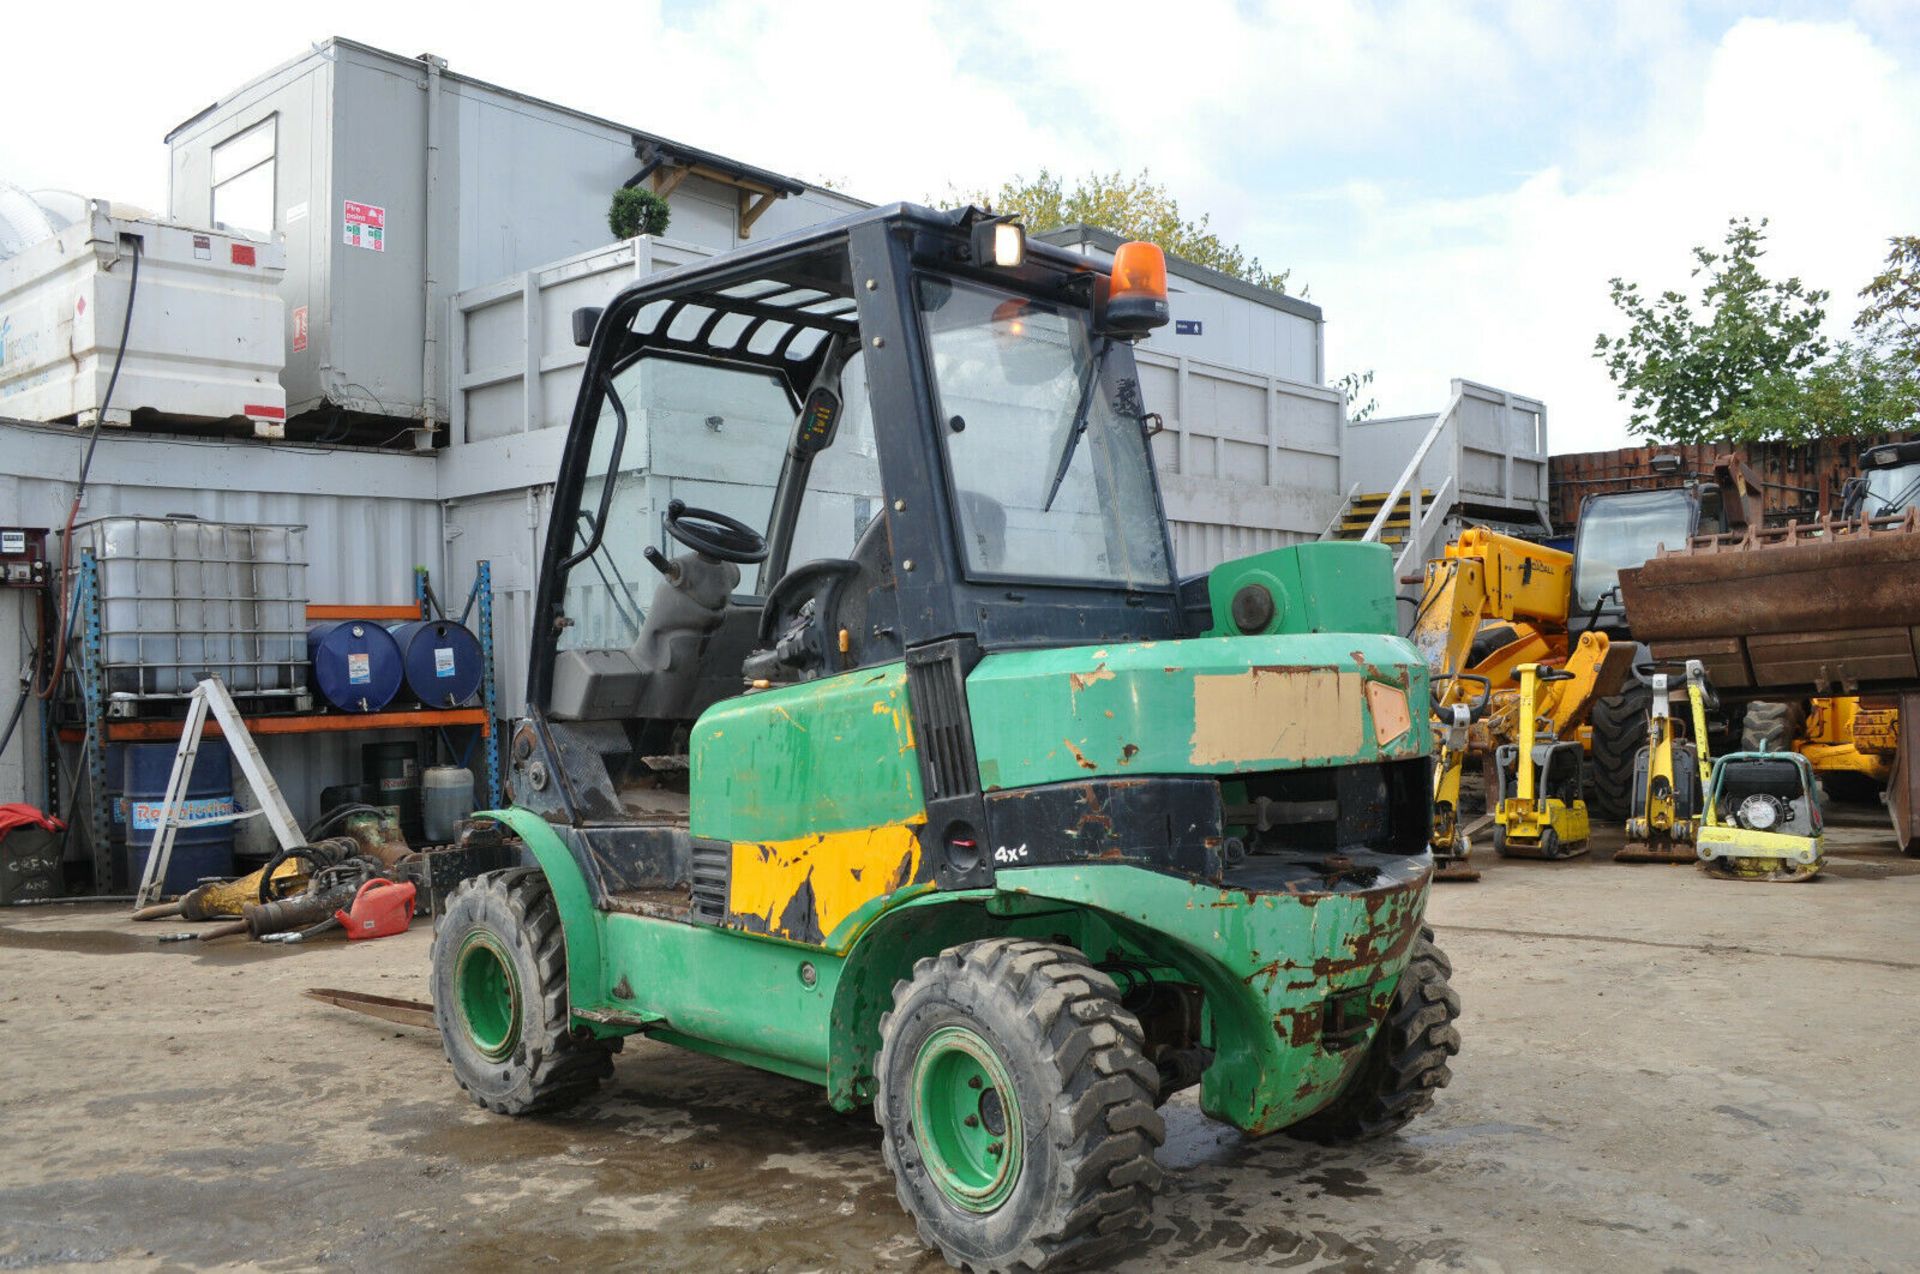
(974, 1082)
(996, 1148)
(972, 1121)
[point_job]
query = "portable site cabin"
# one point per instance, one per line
(397, 182)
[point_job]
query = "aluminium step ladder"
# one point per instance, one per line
(212, 695)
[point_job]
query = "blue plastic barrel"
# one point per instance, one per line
(441, 661)
(198, 851)
(356, 665)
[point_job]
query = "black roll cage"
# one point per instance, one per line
(884, 248)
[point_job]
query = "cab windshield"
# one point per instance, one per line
(1890, 491)
(1624, 530)
(1048, 458)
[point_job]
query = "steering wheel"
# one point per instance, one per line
(715, 535)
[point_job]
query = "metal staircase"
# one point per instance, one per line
(1363, 509)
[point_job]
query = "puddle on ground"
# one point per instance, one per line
(127, 938)
(1342, 1183)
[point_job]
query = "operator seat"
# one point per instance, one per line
(658, 676)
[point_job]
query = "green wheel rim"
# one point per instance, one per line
(489, 995)
(966, 1119)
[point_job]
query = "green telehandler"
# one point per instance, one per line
(957, 801)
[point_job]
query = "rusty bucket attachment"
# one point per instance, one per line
(1820, 608)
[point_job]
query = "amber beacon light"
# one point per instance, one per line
(1137, 294)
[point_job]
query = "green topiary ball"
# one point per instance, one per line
(635, 212)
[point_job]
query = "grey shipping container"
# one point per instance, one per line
(370, 518)
(397, 182)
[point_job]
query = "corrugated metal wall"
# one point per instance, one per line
(361, 548)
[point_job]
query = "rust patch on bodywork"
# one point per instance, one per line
(1079, 757)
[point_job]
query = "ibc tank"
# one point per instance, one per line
(356, 665)
(198, 851)
(440, 660)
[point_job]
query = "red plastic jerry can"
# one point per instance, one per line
(381, 907)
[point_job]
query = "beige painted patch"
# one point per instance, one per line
(1081, 680)
(1390, 715)
(1276, 714)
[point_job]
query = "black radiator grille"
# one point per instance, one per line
(712, 877)
(937, 690)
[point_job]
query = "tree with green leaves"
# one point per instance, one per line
(1131, 207)
(1891, 316)
(1866, 386)
(1691, 370)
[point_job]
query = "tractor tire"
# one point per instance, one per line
(500, 998)
(1619, 732)
(1407, 1061)
(1017, 1107)
(1771, 727)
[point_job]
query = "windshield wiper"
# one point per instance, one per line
(1899, 502)
(1079, 425)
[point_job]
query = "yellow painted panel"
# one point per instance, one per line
(801, 889)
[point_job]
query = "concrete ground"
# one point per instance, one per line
(1661, 1071)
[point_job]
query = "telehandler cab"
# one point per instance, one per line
(955, 801)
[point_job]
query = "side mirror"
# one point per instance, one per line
(585, 319)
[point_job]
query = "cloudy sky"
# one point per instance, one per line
(1454, 182)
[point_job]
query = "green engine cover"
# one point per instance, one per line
(1331, 587)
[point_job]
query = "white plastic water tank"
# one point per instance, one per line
(208, 334)
(23, 222)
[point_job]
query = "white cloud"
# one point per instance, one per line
(1472, 172)
(1808, 124)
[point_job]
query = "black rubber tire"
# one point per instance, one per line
(1771, 727)
(1406, 1064)
(1619, 732)
(1085, 1089)
(549, 1066)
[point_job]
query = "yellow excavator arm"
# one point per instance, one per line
(1481, 578)
(1484, 576)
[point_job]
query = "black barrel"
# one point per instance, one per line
(394, 768)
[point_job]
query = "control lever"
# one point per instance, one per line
(662, 563)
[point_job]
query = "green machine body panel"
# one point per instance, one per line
(822, 756)
(1207, 705)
